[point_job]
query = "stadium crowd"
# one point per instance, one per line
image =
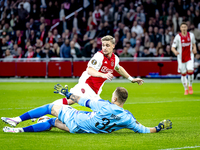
(142, 28)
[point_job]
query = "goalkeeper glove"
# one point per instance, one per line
(165, 124)
(63, 91)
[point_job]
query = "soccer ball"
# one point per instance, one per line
(43, 119)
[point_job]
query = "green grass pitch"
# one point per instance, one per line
(149, 103)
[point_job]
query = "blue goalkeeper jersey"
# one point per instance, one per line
(106, 118)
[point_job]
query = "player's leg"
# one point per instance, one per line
(34, 113)
(38, 127)
(190, 68)
(182, 70)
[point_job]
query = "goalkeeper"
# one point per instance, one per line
(106, 117)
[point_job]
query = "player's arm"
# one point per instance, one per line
(91, 71)
(194, 48)
(174, 51)
(163, 125)
(125, 74)
(174, 45)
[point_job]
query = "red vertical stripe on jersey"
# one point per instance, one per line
(185, 44)
(108, 65)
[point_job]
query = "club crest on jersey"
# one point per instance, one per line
(94, 62)
(112, 63)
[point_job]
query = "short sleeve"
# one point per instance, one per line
(96, 61)
(116, 63)
(175, 42)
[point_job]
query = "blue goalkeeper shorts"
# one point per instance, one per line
(66, 116)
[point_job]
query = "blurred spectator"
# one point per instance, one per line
(159, 45)
(96, 15)
(27, 32)
(50, 39)
(147, 53)
(152, 48)
(190, 17)
(62, 12)
(89, 49)
(65, 50)
(38, 43)
(32, 37)
(133, 39)
(20, 53)
(19, 39)
(8, 57)
(107, 16)
(14, 50)
(38, 53)
(48, 53)
(7, 28)
(56, 35)
(106, 30)
(56, 49)
(160, 52)
(29, 53)
(157, 36)
(75, 52)
(140, 16)
(168, 52)
(176, 22)
(130, 50)
(138, 53)
(26, 5)
(125, 53)
(23, 15)
(42, 34)
(119, 15)
(50, 11)
(137, 29)
(4, 46)
(196, 18)
(34, 12)
(91, 33)
(161, 32)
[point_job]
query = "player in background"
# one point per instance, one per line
(106, 117)
(100, 68)
(184, 48)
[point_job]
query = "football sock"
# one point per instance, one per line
(184, 81)
(190, 77)
(38, 127)
(61, 101)
(37, 112)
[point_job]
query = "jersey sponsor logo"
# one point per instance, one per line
(183, 40)
(185, 44)
(106, 69)
(94, 62)
(106, 62)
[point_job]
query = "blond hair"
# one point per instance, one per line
(108, 38)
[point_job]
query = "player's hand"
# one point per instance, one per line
(138, 80)
(60, 90)
(163, 125)
(176, 53)
(108, 76)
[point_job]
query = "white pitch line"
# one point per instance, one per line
(180, 148)
(161, 102)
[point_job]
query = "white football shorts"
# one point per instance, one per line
(84, 90)
(184, 67)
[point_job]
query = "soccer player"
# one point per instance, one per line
(99, 69)
(106, 117)
(184, 48)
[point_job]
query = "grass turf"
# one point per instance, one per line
(149, 103)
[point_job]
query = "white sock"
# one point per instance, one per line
(18, 119)
(58, 102)
(184, 82)
(190, 77)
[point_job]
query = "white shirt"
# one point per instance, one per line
(177, 44)
(137, 29)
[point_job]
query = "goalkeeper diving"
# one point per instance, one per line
(105, 117)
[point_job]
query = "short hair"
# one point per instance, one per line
(122, 94)
(108, 38)
(183, 23)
